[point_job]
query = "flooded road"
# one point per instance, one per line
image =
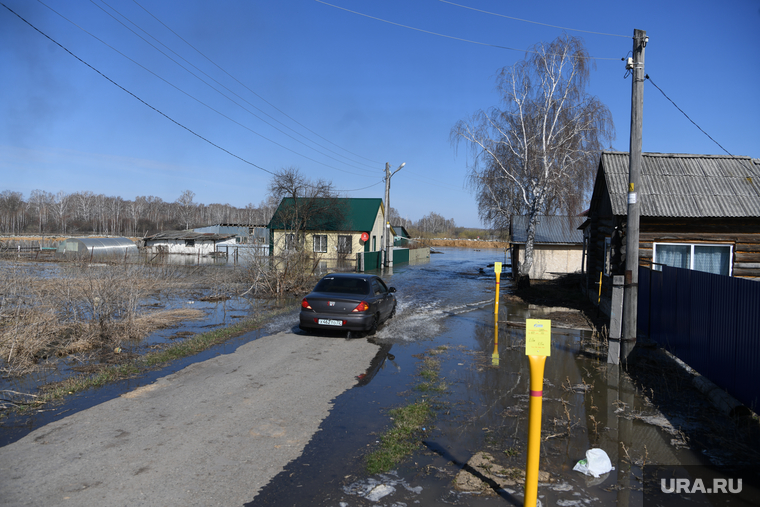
(484, 408)
(447, 306)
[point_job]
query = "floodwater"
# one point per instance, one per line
(484, 408)
(447, 305)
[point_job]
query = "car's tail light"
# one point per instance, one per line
(305, 304)
(362, 307)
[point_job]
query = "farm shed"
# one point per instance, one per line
(698, 212)
(97, 246)
(244, 233)
(557, 246)
(184, 242)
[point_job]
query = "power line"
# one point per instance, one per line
(193, 97)
(444, 35)
(247, 88)
(135, 96)
(225, 87)
(687, 116)
(534, 22)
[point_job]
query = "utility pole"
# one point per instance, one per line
(631, 287)
(387, 242)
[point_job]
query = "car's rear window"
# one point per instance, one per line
(343, 285)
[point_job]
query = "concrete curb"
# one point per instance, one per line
(723, 401)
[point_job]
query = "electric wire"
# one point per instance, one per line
(193, 97)
(225, 87)
(534, 22)
(470, 41)
(135, 96)
(686, 115)
(250, 90)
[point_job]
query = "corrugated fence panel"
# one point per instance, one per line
(642, 319)
(669, 309)
(723, 332)
(655, 308)
(747, 388)
(400, 256)
(699, 323)
(683, 304)
(711, 322)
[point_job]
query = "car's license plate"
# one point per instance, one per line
(330, 322)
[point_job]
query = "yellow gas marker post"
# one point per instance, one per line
(495, 355)
(537, 347)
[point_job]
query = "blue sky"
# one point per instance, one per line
(335, 93)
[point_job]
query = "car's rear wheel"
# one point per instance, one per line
(373, 327)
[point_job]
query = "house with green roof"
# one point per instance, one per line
(333, 230)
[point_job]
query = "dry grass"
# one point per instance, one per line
(80, 307)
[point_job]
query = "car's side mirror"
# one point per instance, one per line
(392, 289)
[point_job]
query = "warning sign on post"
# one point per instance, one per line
(538, 337)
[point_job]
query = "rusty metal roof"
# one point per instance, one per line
(558, 230)
(682, 185)
(188, 235)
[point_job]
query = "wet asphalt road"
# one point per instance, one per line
(213, 433)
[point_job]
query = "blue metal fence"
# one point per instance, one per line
(711, 322)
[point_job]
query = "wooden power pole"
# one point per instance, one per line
(631, 289)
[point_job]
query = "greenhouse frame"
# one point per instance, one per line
(98, 247)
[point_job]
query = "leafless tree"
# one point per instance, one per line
(11, 211)
(537, 153)
(100, 214)
(186, 207)
(303, 205)
(435, 224)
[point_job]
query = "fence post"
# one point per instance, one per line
(616, 319)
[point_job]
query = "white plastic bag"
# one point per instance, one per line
(596, 463)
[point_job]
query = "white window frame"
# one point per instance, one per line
(608, 255)
(319, 242)
(691, 254)
(347, 246)
(290, 241)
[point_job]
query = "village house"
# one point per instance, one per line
(333, 230)
(698, 212)
(557, 246)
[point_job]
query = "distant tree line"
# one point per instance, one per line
(90, 213)
(429, 225)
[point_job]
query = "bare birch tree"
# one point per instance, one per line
(187, 207)
(536, 154)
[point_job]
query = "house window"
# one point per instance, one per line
(608, 256)
(190, 242)
(344, 244)
(374, 243)
(290, 241)
(320, 243)
(708, 258)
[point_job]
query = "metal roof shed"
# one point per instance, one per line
(98, 246)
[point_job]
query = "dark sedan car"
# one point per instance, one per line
(348, 302)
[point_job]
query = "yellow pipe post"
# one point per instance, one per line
(534, 432)
(495, 355)
(497, 270)
(599, 300)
